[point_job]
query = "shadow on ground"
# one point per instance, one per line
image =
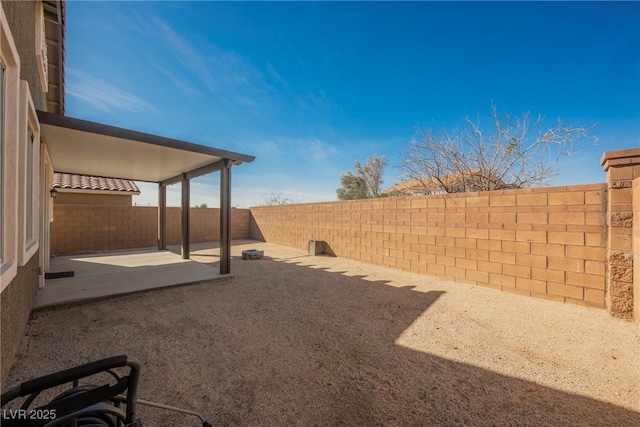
(286, 344)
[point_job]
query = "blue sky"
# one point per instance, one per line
(308, 88)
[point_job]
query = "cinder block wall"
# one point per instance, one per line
(636, 248)
(89, 228)
(65, 198)
(622, 168)
(545, 242)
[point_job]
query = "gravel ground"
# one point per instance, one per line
(293, 339)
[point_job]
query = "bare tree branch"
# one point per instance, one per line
(276, 197)
(514, 152)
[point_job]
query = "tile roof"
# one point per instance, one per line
(472, 180)
(84, 182)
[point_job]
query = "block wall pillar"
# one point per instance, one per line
(622, 168)
(636, 249)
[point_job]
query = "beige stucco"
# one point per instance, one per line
(21, 17)
(22, 95)
(28, 230)
(10, 151)
(46, 210)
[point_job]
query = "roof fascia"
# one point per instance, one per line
(213, 167)
(116, 132)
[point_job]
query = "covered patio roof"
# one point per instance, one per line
(89, 148)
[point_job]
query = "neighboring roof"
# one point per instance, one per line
(404, 187)
(460, 182)
(83, 182)
(89, 148)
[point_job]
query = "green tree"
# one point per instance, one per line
(365, 182)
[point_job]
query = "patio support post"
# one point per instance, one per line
(185, 216)
(225, 218)
(162, 217)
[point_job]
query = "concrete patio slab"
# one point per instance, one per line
(103, 275)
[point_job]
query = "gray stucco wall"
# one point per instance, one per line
(21, 16)
(16, 302)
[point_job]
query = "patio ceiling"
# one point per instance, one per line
(89, 148)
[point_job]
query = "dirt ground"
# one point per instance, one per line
(304, 340)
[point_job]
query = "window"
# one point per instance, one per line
(9, 152)
(29, 189)
(28, 174)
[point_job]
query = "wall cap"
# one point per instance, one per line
(628, 157)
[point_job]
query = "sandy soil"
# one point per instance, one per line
(299, 340)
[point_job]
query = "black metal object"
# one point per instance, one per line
(185, 217)
(58, 275)
(111, 404)
(79, 402)
(162, 217)
(225, 218)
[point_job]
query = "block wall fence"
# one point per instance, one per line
(91, 228)
(635, 292)
(576, 244)
(546, 242)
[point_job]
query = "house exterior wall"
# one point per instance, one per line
(93, 228)
(20, 236)
(16, 301)
(68, 198)
(21, 16)
(544, 242)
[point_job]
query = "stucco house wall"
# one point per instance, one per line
(20, 266)
(21, 16)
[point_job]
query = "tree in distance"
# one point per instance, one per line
(514, 152)
(366, 182)
(276, 197)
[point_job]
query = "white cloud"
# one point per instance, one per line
(308, 149)
(183, 52)
(319, 150)
(181, 83)
(102, 95)
(248, 188)
(275, 75)
(254, 196)
(234, 80)
(200, 192)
